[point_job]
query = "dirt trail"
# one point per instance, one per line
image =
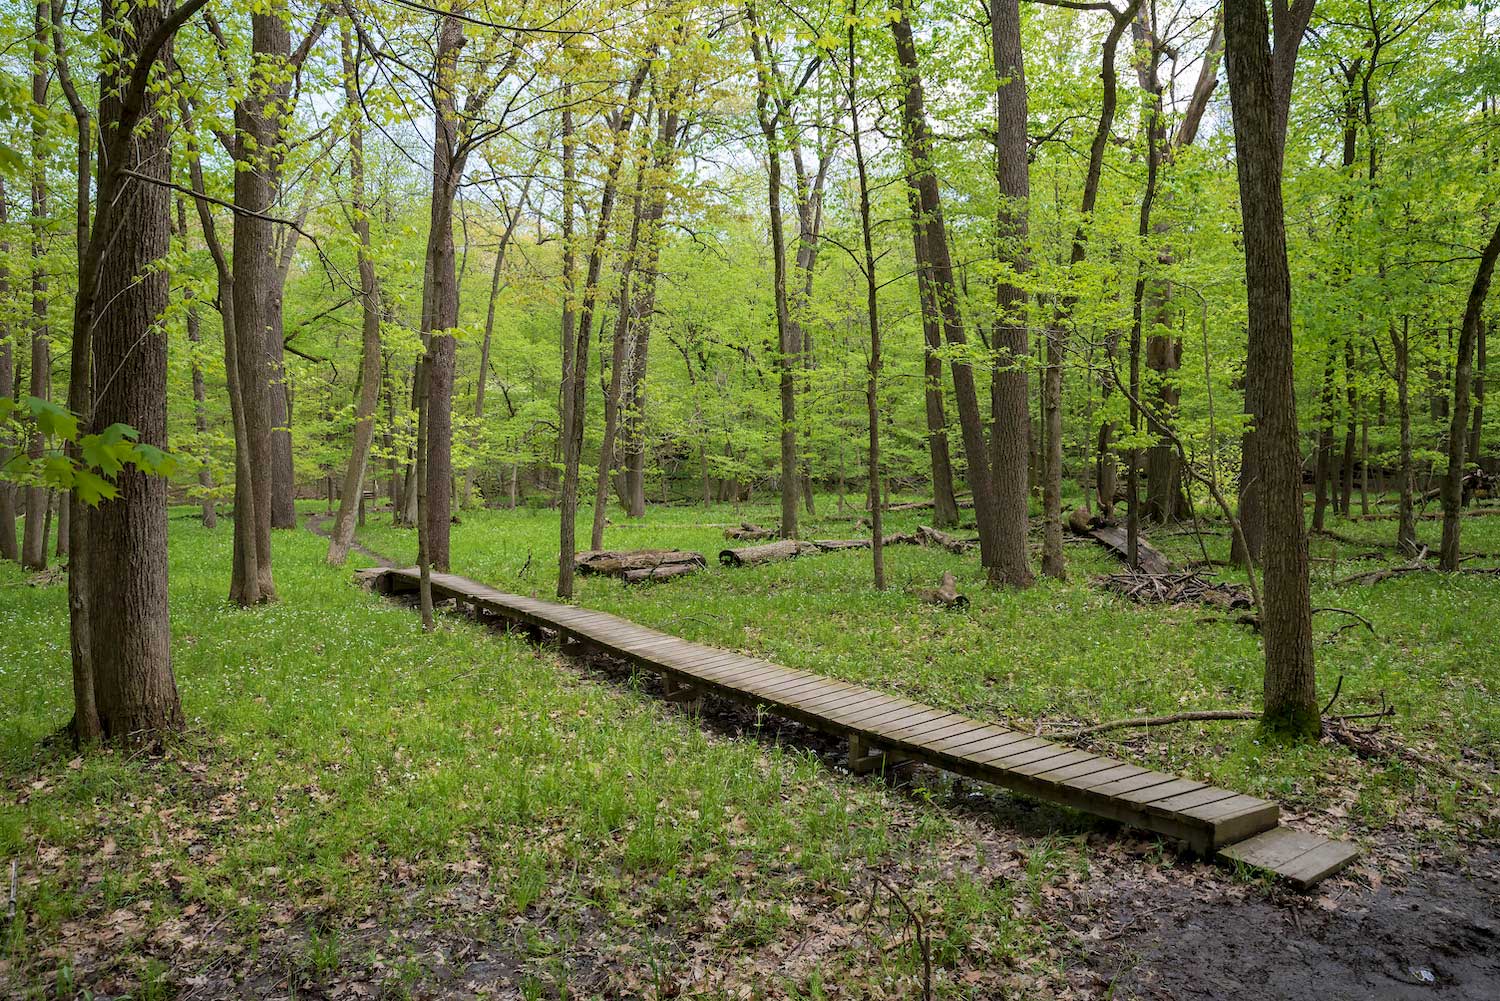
(317, 524)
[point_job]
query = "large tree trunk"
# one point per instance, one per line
(1260, 84)
(369, 302)
(1463, 368)
(1010, 437)
(135, 690)
(9, 549)
(257, 124)
(440, 297)
(939, 268)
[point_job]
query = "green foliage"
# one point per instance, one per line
(90, 467)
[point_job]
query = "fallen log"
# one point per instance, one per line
(748, 532)
(1116, 540)
(787, 549)
(923, 505)
(655, 563)
(928, 536)
(945, 593)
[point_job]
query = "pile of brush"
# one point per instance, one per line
(1186, 587)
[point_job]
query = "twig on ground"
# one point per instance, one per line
(1338, 687)
(924, 944)
(1148, 721)
(1352, 614)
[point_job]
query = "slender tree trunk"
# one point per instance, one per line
(368, 395)
(245, 577)
(786, 329)
(872, 288)
(1406, 523)
(1260, 82)
(944, 504)
(1481, 365)
(34, 536)
(620, 353)
(939, 268)
(1453, 481)
(1323, 470)
(208, 509)
(577, 413)
(1010, 436)
(512, 219)
(9, 549)
(134, 687)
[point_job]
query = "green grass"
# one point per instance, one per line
(1069, 651)
(356, 799)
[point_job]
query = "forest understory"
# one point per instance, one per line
(359, 809)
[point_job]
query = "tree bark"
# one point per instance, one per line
(1260, 81)
(208, 509)
(944, 503)
(1458, 429)
(134, 687)
(1010, 436)
(939, 268)
(34, 534)
(368, 397)
(9, 549)
(1481, 365)
(1406, 522)
(440, 296)
(786, 330)
(1323, 467)
(576, 413)
(872, 288)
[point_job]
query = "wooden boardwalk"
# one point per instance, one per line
(884, 729)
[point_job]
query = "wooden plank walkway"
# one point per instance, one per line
(886, 728)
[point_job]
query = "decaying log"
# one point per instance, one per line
(928, 536)
(639, 564)
(923, 505)
(1115, 539)
(748, 532)
(945, 593)
(787, 549)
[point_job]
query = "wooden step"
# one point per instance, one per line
(1299, 858)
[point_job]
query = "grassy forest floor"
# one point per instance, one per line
(362, 810)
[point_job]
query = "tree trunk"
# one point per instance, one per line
(786, 330)
(1481, 365)
(244, 584)
(440, 297)
(1323, 469)
(257, 123)
(34, 535)
(944, 504)
(939, 269)
(576, 414)
(1010, 437)
(1406, 523)
(9, 549)
(208, 510)
(872, 288)
(1463, 369)
(351, 497)
(620, 353)
(134, 687)
(1260, 84)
